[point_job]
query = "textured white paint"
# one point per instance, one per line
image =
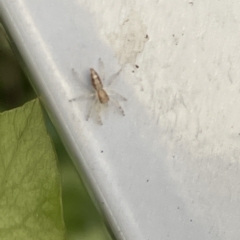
(190, 75)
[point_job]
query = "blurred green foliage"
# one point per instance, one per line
(81, 217)
(30, 193)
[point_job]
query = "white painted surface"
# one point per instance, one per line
(169, 168)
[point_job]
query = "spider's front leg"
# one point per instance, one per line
(83, 96)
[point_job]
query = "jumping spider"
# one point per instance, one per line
(101, 97)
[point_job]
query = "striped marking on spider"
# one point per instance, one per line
(101, 96)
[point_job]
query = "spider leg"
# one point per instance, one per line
(83, 96)
(76, 75)
(113, 77)
(98, 113)
(101, 69)
(119, 96)
(118, 106)
(93, 104)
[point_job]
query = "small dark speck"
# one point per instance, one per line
(146, 36)
(173, 156)
(173, 35)
(147, 180)
(136, 66)
(191, 3)
(190, 220)
(178, 207)
(102, 151)
(239, 134)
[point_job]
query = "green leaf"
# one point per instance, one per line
(30, 192)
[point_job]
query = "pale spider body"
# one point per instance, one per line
(101, 95)
(98, 86)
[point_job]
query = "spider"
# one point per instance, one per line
(101, 97)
